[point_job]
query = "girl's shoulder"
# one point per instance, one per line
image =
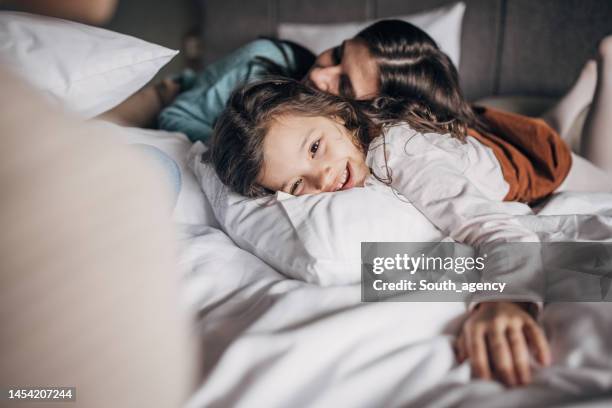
(404, 136)
(401, 145)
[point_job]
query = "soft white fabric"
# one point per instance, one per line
(459, 187)
(442, 24)
(576, 203)
(88, 69)
(315, 238)
(321, 346)
(258, 328)
(191, 205)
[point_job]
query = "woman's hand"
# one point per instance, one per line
(167, 90)
(497, 338)
(142, 108)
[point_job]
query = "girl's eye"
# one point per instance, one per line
(314, 148)
(295, 186)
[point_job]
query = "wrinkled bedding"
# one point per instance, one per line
(275, 342)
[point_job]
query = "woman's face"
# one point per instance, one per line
(347, 70)
(309, 155)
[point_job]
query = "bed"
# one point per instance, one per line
(275, 342)
(270, 340)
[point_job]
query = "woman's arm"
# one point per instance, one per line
(195, 112)
(141, 109)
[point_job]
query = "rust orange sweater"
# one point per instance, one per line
(533, 157)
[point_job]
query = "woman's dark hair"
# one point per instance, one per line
(237, 141)
(413, 69)
(302, 60)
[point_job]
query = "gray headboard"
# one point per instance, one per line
(529, 47)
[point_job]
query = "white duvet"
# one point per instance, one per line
(274, 342)
(269, 341)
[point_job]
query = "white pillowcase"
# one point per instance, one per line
(88, 69)
(191, 205)
(442, 24)
(315, 238)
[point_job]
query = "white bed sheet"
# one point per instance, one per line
(269, 341)
(275, 342)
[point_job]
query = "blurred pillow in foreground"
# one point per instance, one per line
(87, 69)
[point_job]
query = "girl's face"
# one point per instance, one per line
(309, 155)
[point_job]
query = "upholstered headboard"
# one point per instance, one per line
(529, 47)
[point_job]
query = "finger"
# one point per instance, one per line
(538, 343)
(520, 354)
(501, 356)
(477, 352)
(460, 348)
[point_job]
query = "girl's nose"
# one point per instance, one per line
(324, 180)
(326, 78)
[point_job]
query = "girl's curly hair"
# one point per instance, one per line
(237, 141)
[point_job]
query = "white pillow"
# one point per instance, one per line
(442, 24)
(191, 205)
(88, 69)
(315, 238)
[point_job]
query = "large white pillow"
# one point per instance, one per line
(315, 238)
(88, 69)
(442, 24)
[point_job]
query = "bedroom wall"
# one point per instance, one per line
(508, 46)
(227, 24)
(159, 21)
(546, 42)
